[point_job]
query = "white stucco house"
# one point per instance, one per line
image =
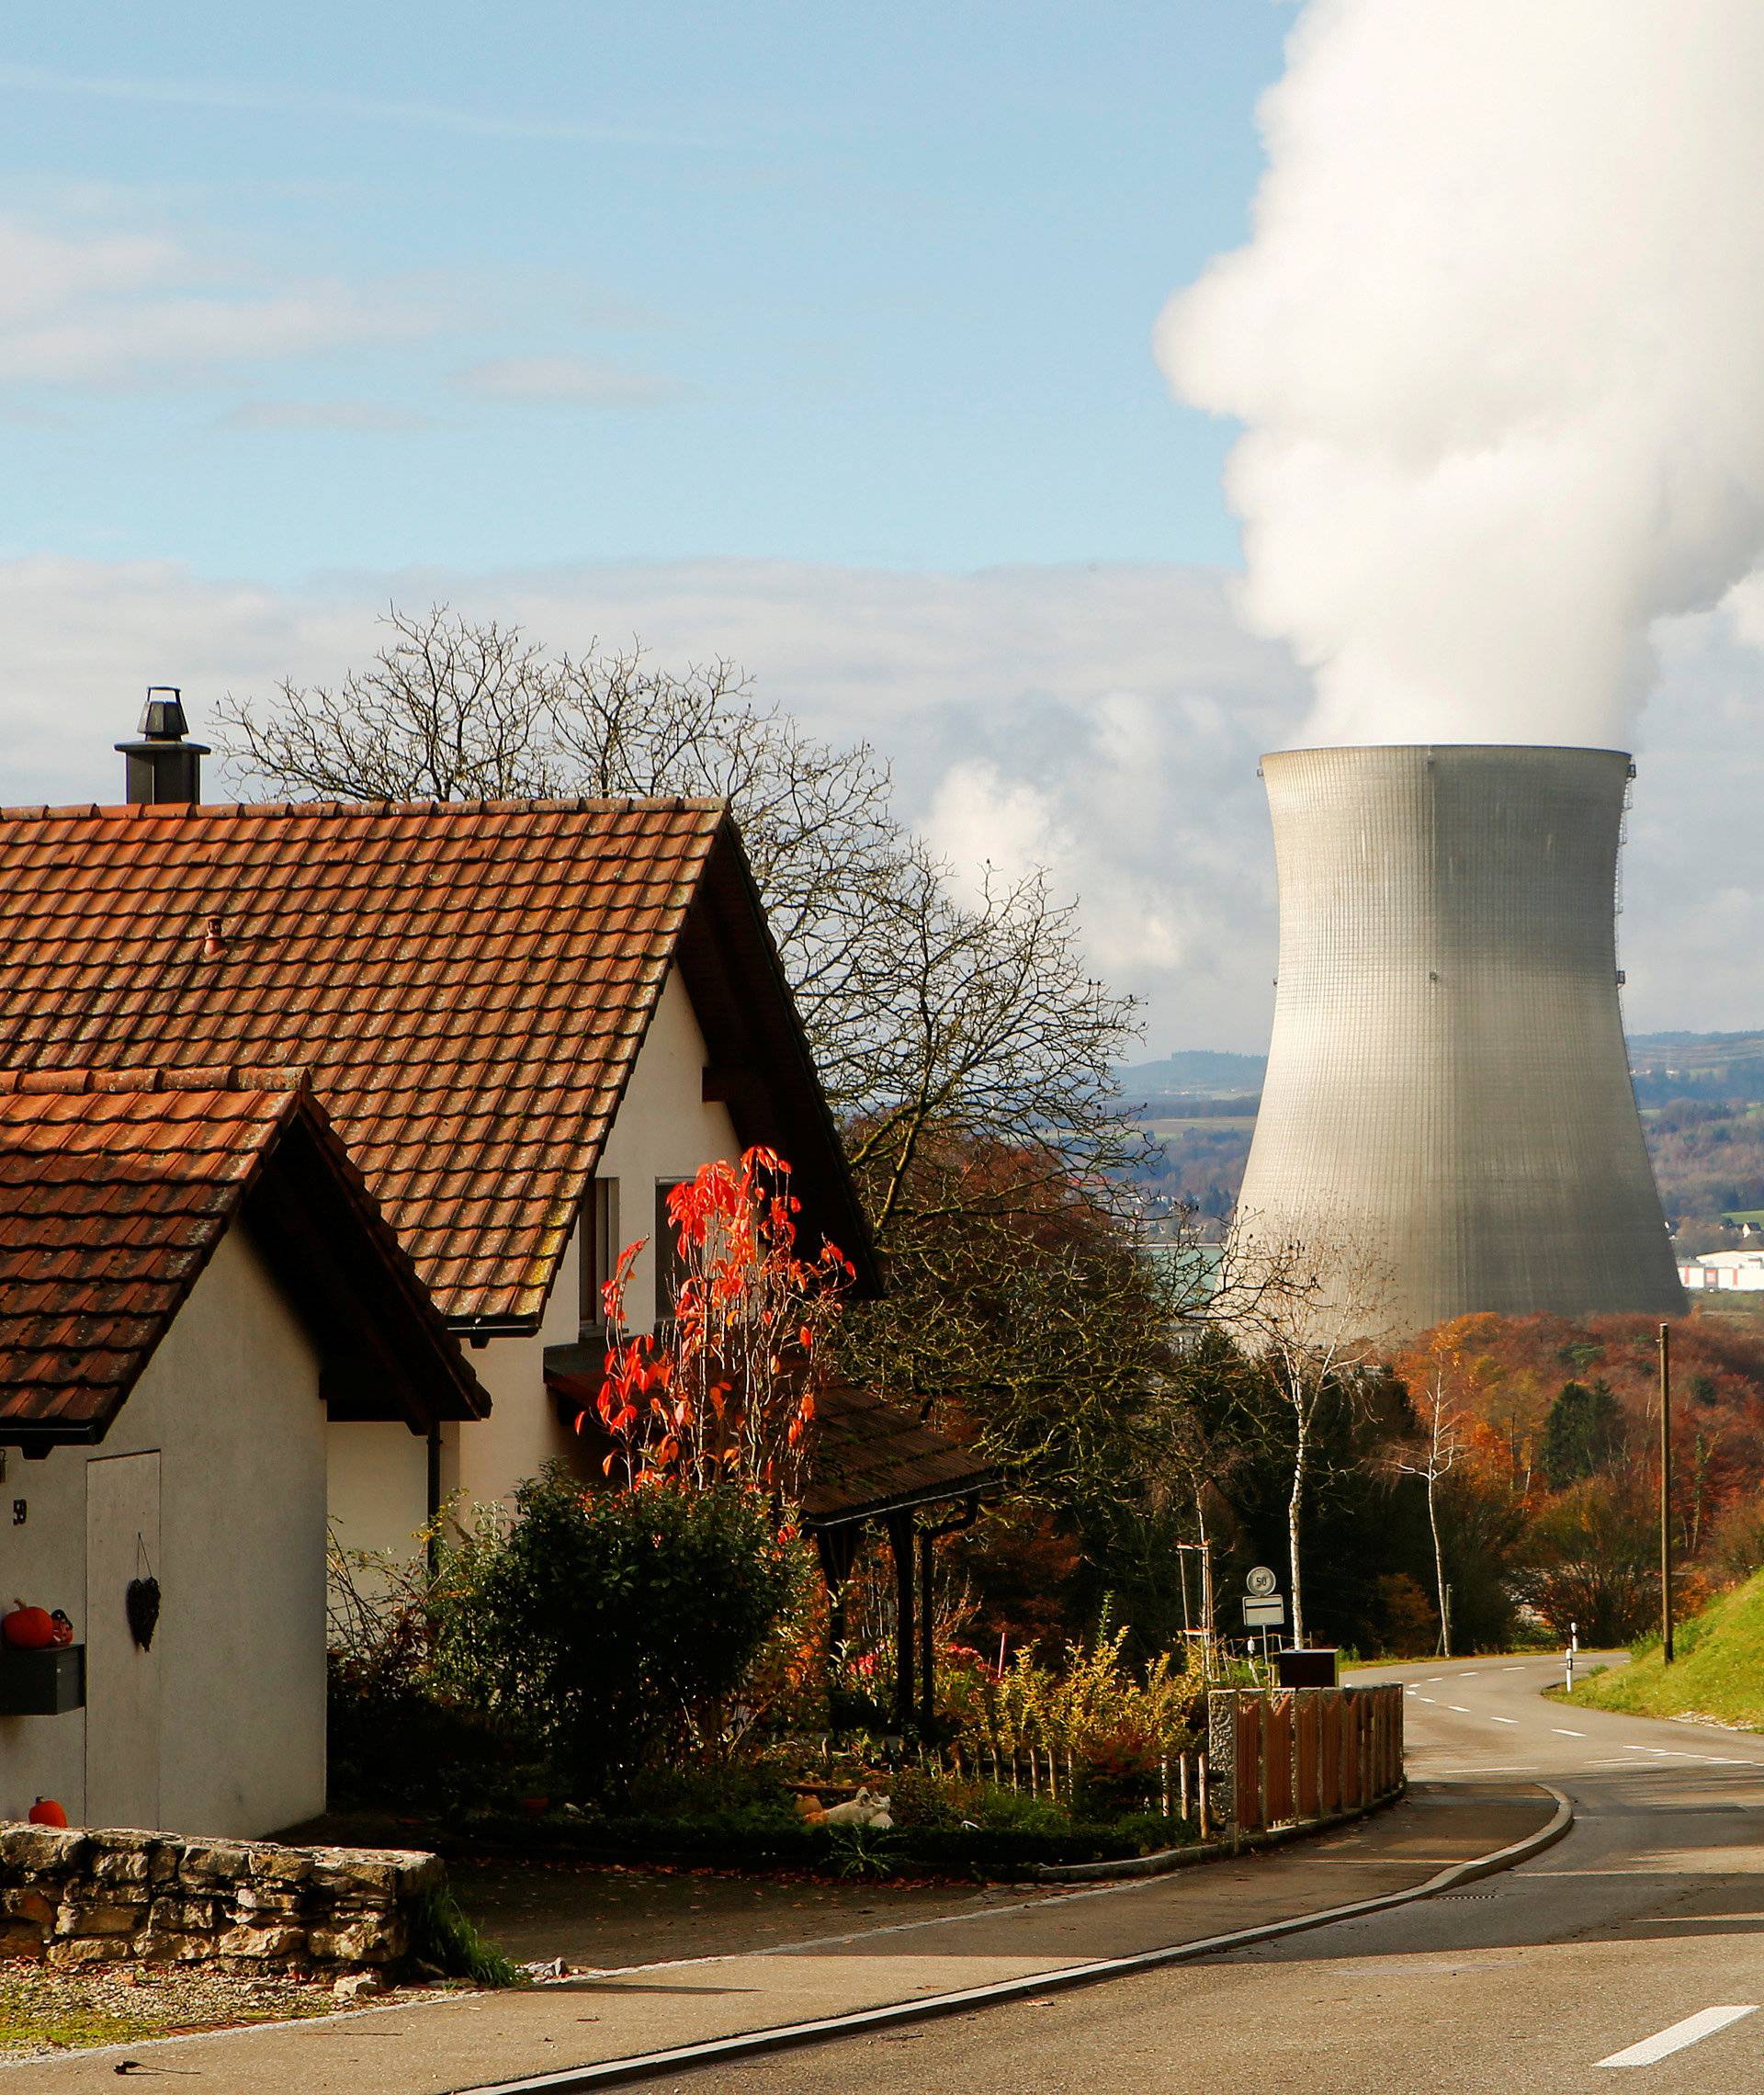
(526, 1021)
(193, 1277)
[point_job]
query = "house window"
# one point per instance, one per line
(670, 1267)
(600, 1249)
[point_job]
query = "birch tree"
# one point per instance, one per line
(1312, 1317)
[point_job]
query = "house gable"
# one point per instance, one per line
(115, 1189)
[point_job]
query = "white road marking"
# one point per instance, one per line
(1512, 1668)
(1691, 2031)
(1424, 1698)
(1433, 1680)
(1562, 1730)
(1467, 1676)
(1458, 1707)
(1503, 1720)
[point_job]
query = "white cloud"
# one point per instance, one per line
(94, 308)
(370, 417)
(1106, 721)
(569, 382)
(1494, 342)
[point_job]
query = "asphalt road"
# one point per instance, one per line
(1633, 1950)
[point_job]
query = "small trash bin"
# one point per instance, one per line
(1311, 1669)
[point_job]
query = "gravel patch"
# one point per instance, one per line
(43, 2012)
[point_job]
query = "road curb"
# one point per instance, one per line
(1169, 1859)
(756, 2043)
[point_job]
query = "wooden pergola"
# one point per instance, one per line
(874, 1463)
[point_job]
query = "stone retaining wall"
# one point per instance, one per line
(85, 1897)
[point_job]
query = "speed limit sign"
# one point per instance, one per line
(1262, 1582)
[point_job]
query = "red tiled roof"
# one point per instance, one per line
(468, 984)
(115, 1188)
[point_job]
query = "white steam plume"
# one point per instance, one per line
(1498, 344)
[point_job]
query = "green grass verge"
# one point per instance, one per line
(442, 1936)
(1718, 1670)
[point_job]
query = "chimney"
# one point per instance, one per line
(163, 767)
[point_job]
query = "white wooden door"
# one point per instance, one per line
(122, 1680)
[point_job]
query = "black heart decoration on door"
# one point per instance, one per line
(141, 1599)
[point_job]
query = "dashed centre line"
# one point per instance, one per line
(1674, 2038)
(1458, 1707)
(1562, 1731)
(1503, 1720)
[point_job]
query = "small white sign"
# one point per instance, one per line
(1264, 1614)
(1262, 1582)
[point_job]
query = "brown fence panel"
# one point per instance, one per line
(1329, 1719)
(1353, 1785)
(1298, 1754)
(1308, 1760)
(1277, 1781)
(1251, 1741)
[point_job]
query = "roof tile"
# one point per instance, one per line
(109, 1198)
(466, 982)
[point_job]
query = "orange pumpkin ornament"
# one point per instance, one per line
(27, 1629)
(47, 1812)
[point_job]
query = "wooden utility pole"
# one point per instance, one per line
(1666, 1493)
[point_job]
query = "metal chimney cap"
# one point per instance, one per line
(163, 730)
(161, 718)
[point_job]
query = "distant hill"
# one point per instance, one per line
(1194, 1073)
(1697, 1065)
(1699, 1094)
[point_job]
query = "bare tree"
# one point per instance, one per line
(1312, 1316)
(968, 1028)
(448, 710)
(1442, 1448)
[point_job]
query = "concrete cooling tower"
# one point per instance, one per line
(1448, 1106)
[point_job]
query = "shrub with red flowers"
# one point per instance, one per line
(672, 1610)
(724, 1390)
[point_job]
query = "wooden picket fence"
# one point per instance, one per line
(1180, 1782)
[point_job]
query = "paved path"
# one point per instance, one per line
(1632, 1953)
(462, 2042)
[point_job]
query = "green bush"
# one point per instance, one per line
(609, 1627)
(689, 1792)
(947, 1804)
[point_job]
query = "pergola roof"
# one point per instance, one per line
(870, 1460)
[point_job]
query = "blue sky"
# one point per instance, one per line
(390, 285)
(816, 338)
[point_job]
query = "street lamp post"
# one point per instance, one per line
(1665, 1494)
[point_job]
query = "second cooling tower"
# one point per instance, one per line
(1448, 1108)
